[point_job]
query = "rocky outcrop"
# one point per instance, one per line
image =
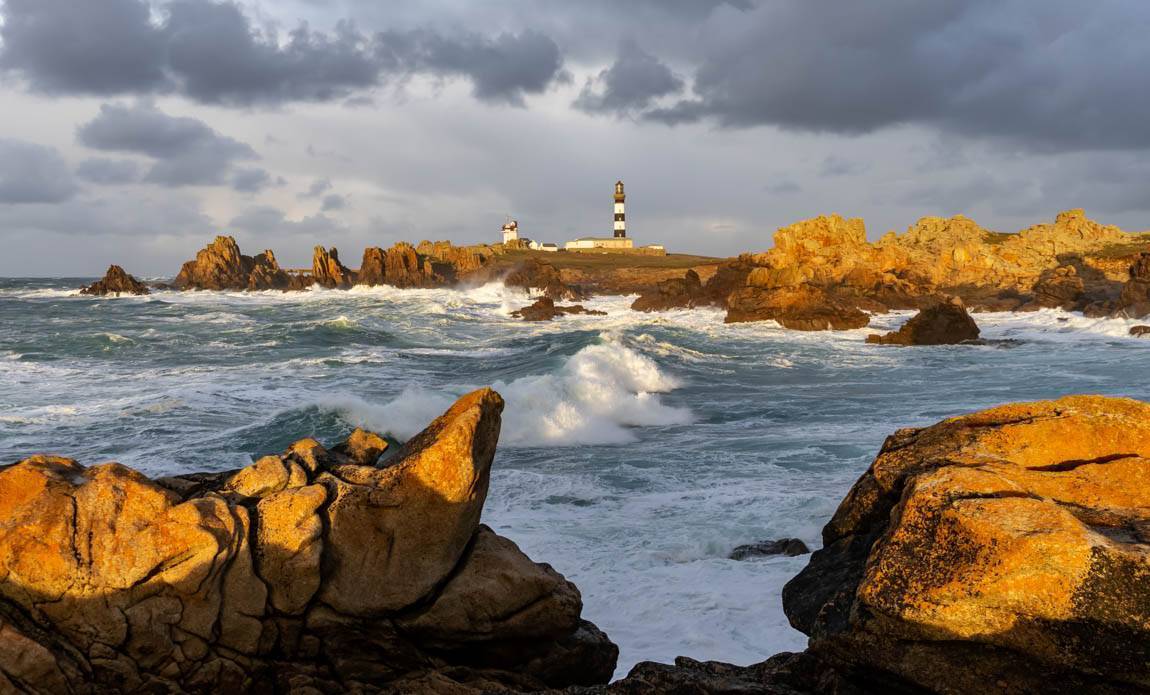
(400, 266)
(545, 309)
(1059, 288)
(1139, 331)
(221, 266)
(1006, 550)
(944, 323)
(1134, 301)
(115, 282)
(327, 271)
(672, 294)
(536, 274)
(314, 571)
(801, 308)
(784, 546)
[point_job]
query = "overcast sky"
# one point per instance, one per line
(134, 131)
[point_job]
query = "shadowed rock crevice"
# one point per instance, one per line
(317, 569)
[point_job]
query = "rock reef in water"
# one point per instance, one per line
(1003, 551)
(944, 323)
(221, 266)
(784, 546)
(314, 571)
(545, 309)
(115, 282)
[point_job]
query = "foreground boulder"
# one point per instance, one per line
(945, 323)
(1005, 549)
(115, 282)
(676, 293)
(314, 571)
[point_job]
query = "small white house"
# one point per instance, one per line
(543, 246)
(591, 243)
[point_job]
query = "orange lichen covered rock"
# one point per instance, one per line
(1010, 546)
(291, 574)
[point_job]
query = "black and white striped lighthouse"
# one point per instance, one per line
(620, 216)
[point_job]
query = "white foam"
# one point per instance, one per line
(595, 397)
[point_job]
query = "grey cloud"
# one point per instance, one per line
(187, 151)
(251, 180)
(31, 173)
(109, 171)
(212, 53)
(128, 213)
(503, 69)
(317, 188)
(333, 202)
(786, 186)
(838, 166)
(267, 220)
(633, 82)
(1044, 75)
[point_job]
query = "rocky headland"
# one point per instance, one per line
(318, 570)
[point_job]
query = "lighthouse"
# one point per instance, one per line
(620, 216)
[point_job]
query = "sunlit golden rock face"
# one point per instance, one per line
(1008, 546)
(294, 572)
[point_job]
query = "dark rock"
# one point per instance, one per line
(1139, 331)
(1134, 301)
(1059, 288)
(534, 273)
(784, 546)
(116, 282)
(545, 309)
(945, 323)
(676, 293)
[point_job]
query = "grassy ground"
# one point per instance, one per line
(590, 261)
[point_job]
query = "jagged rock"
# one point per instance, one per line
(1134, 301)
(328, 272)
(1007, 550)
(221, 266)
(672, 294)
(399, 266)
(314, 571)
(540, 275)
(362, 448)
(801, 308)
(116, 282)
(1139, 331)
(944, 323)
(784, 546)
(545, 309)
(1059, 288)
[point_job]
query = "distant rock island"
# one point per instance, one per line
(821, 273)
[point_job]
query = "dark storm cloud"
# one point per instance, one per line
(31, 173)
(838, 166)
(187, 151)
(501, 69)
(1047, 75)
(212, 53)
(108, 171)
(632, 83)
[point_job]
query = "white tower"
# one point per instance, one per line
(620, 216)
(510, 231)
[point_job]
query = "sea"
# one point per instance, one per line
(637, 449)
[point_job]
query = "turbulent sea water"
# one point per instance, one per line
(637, 449)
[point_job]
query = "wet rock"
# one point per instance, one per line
(1007, 547)
(784, 546)
(328, 272)
(1060, 288)
(545, 309)
(801, 308)
(672, 294)
(313, 571)
(945, 323)
(542, 276)
(115, 282)
(1139, 331)
(1134, 301)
